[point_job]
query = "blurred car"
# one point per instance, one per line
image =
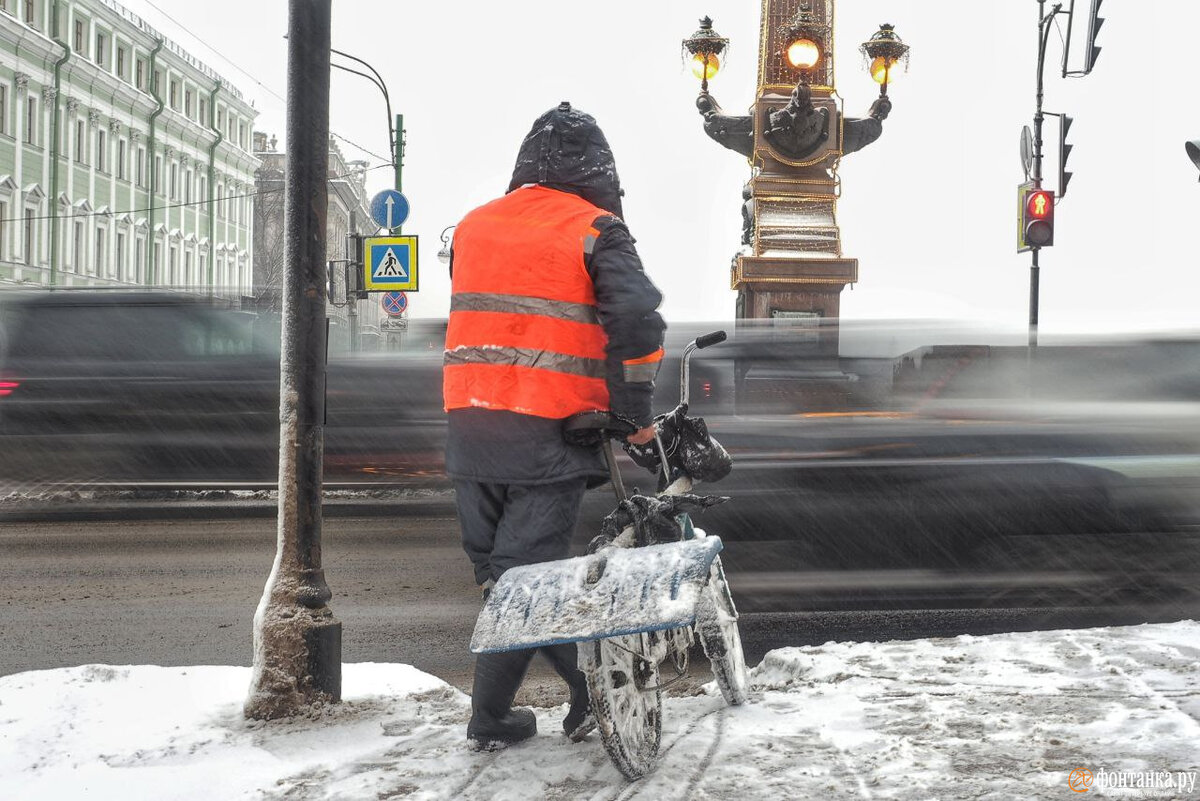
(890, 464)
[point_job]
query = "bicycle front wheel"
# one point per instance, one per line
(622, 682)
(717, 629)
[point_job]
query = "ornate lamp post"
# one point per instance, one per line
(791, 265)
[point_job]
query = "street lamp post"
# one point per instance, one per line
(1193, 151)
(791, 266)
(297, 640)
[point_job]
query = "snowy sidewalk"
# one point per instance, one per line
(1002, 717)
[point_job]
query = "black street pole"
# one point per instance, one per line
(297, 640)
(1038, 118)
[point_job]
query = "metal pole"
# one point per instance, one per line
(1034, 278)
(1038, 118)
(399, 153)
(352, 283)
(297, 640)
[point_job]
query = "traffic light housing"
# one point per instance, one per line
(1095, 21)
(1037, 218)
(1064, 150)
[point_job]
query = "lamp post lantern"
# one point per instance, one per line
(705, 47)
(884, 50)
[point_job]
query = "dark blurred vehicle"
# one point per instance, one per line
(115, 386)
(892, 464)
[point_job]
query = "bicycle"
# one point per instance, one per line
(650, 585)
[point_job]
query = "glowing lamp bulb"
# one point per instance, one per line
(705, 66)
(803, 54)
(883, 70)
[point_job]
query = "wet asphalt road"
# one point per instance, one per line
(179, 592)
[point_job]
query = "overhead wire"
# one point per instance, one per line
(264, 87)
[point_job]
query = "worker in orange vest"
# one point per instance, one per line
(551, 315)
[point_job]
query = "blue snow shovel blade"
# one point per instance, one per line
(619, 591)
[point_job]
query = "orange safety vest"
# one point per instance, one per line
(524, 334)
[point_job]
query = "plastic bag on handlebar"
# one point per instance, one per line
(691, 450)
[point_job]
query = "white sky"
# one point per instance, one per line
(471, 76)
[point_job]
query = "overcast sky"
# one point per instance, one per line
(929, 209)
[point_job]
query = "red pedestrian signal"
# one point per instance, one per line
(1037, 218)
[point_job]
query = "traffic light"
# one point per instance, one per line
(1064, 150)
(1037, 218)
(1094, 23)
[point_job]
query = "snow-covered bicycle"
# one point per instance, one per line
(650, 585)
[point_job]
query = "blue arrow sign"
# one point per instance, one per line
(389, 209)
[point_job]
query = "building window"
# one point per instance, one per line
(141, 166)
(174, 95)
(31, 121)
(187, 104)
(156, 179)
(101, 42)
(79, 40)
(121, 158)
(203, 110)
(188, 278)
(77, 251)
(30, 12)
(220, 211)
(220, 118)
(174, 175)
(98, 267)
(187, 187)
(139, 261)
(173, 276)
(156, 264)
(157, 82)
(119, 268)
(3, 230)
(101, 144)
(30, 242)
(3, 109)
(80, 140)
(139, 72)
(121, 63)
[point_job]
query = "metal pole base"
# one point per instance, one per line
(298, 664)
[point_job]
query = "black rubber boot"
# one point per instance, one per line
(494, 723)
(565, 660)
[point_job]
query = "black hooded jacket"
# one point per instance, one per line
(566, 150)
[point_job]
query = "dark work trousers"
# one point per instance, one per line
(505, 525)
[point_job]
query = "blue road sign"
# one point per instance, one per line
(394, 303)
(389, 209)
(390, 263)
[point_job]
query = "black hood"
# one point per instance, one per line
(566, 150)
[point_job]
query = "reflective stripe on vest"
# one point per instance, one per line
(524, 334)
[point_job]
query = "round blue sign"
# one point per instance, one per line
(394, 303)
(389, 209)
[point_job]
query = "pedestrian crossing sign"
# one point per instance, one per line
(390, 263)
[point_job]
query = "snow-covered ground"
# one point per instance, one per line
(1001, 717)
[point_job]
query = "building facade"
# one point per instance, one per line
(123, 159)
(347, 213)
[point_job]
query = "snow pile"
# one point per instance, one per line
(1007, 716)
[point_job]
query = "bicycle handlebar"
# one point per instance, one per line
(715, 338)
